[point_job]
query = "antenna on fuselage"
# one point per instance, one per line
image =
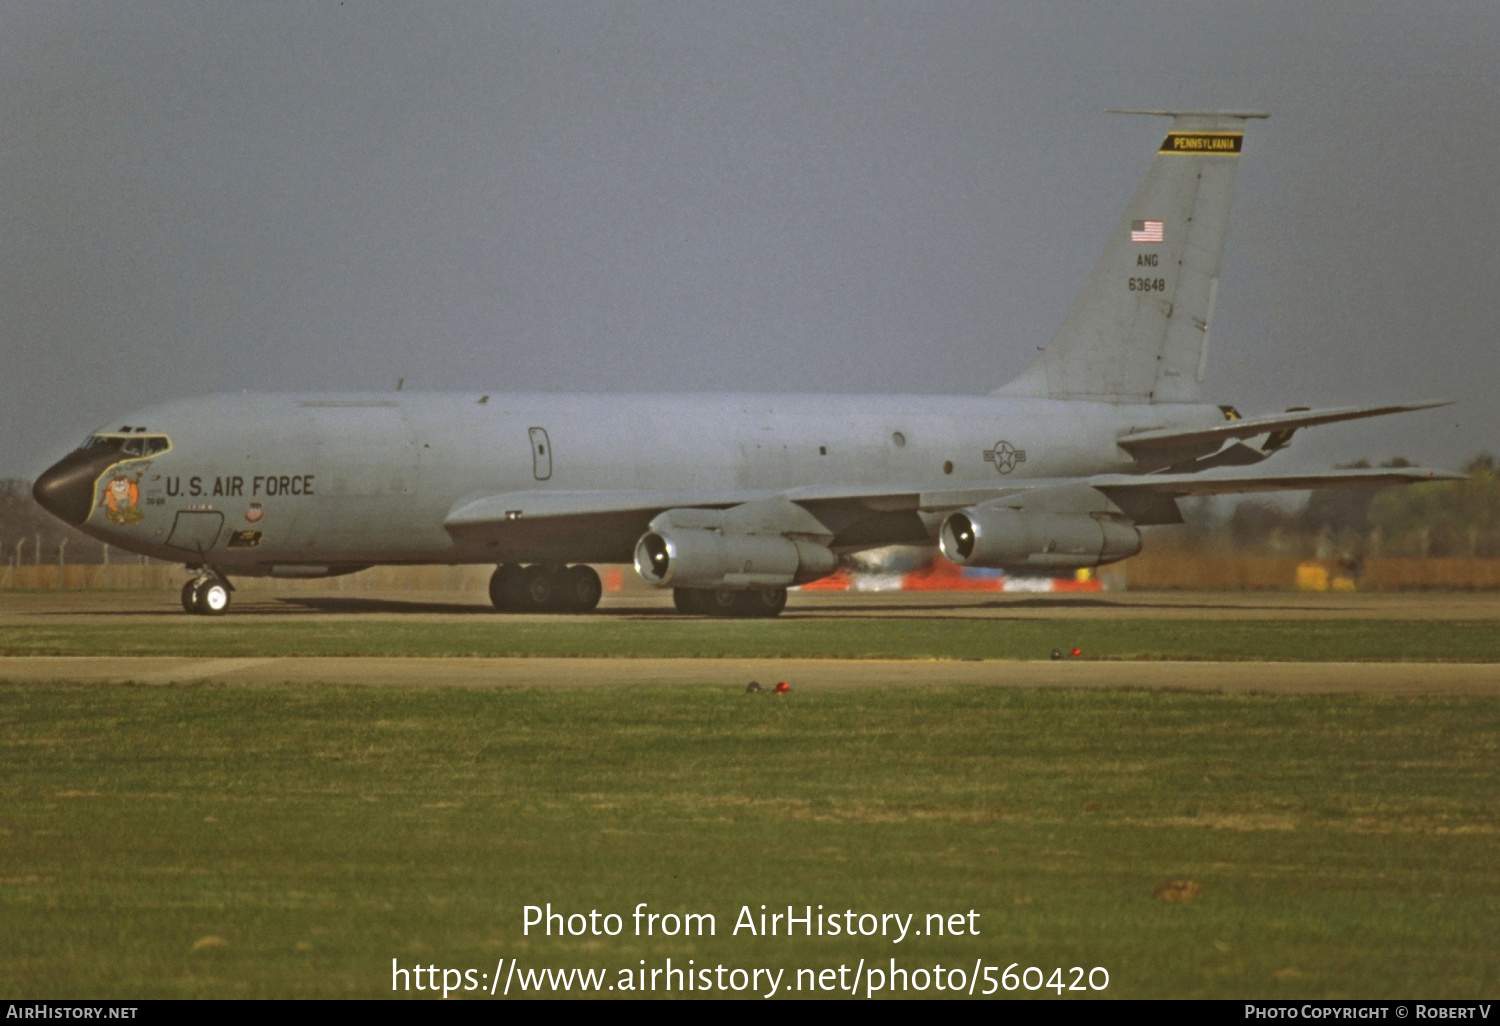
(399, 383)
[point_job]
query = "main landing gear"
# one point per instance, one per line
(545, 589)
(207, 594)
(750, 603)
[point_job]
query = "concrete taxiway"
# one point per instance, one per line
(144, 608)
(1394, 679)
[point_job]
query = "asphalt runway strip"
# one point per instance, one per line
(1408, 679)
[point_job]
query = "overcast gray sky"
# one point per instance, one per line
(847, 197)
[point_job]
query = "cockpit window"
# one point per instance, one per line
(128, 445)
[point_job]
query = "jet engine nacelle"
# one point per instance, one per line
(698, 558)
(1013, 538)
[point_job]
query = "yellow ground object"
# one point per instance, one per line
(1312, 577)
(1316, 577)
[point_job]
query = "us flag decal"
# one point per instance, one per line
(1145, 231)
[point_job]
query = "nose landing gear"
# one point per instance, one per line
(207, 594)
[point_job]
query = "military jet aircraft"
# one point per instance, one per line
(729, 499)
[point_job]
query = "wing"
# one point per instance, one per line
(603, 526)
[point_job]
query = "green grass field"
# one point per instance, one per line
(896, 638)
(1345, 846)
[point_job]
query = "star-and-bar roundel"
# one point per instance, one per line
(1004, 456)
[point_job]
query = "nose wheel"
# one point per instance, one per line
(206, 596)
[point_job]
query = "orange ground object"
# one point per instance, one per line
(941, 575)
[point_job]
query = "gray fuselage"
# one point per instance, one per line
(322, 480)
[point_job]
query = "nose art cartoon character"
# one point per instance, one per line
(121, 499)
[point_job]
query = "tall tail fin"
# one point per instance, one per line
(1138, 332)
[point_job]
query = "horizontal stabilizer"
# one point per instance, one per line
(1232, 484)
(1192, 438)
(1245, 114)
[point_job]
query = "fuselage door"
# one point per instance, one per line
(196, 530)
(541, 454)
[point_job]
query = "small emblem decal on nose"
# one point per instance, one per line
(254, 513)
(1005, 457)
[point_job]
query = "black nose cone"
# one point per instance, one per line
(66, 490)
